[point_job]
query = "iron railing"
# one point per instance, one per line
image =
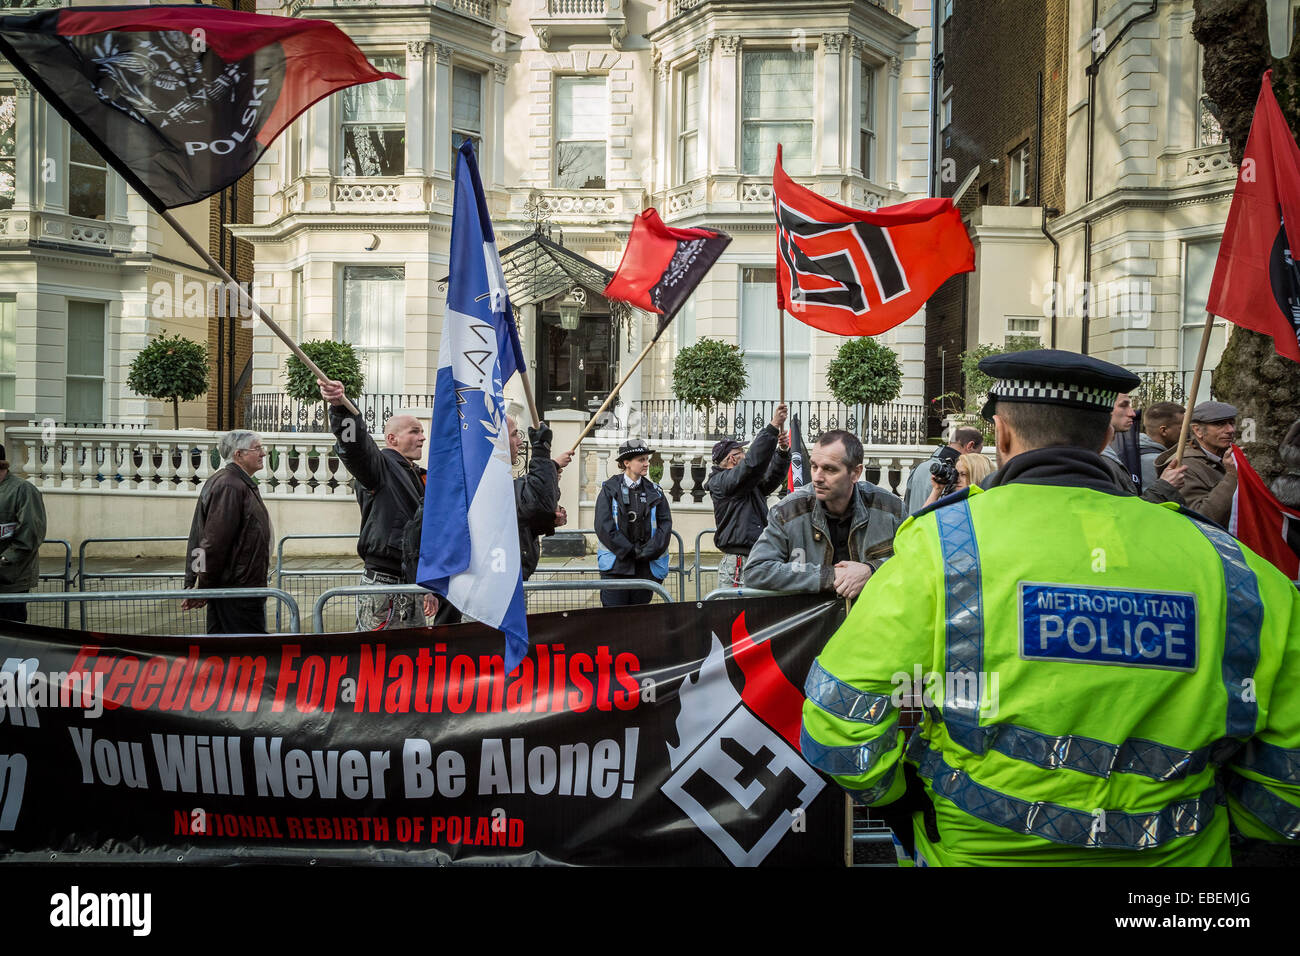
(669, 419)
(1168, 387)
(277, 412)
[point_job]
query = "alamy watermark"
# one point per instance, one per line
(966, 689)
(194, 299)
(1130, 300)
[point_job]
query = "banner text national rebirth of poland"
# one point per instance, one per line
(657, 735)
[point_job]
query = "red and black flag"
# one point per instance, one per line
(181, 101)
(661, 266)
(1261, 522)
(1256, 280)
(851, 272)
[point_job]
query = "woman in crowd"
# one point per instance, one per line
(634, 525)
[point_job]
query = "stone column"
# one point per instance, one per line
(708, 129)
(889, 135)
(830, 132)
(27, 164)
(498, 176)
(1181, 129)
(442, 111)
(725, 121)
(663, 156)
(416, 91)
(566, 425)
(855, 105)
(319, 129)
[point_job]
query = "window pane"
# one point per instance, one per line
(467, 100)
(383, 101)
(85, 400)
(761, 341)
(87, 192)
(580, 165)
(459, 138)
(79, 151)
(582, 108)
(776, 105)
(85, 338)
(8, 351)
(8, 132)
(867, 111)
(690, 158)
(374, 322)
(374, 151)
(691, 99)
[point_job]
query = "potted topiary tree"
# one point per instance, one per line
(709, 373)
(864, 373)
(172, 370)
(338, 360)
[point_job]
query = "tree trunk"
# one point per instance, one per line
(176, 413)
(1264, 387)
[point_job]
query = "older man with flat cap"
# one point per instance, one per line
(1211, 479)
(1092, 701)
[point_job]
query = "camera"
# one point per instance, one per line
(944, 472)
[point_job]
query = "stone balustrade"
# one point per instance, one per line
(102, 460)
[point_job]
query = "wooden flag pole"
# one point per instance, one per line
(1196, 384)
(528, 388)
(612, 395)
(257, 309)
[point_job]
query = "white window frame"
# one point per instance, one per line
(559, 78)
(945, 110)
(1018, 175)
(462, 130)
(101, 167)
(9, 363)
(365, 352)
(103, 362)
(344, 124)
(9, 162)
(793, 353)
(1204, 138)
(1035, 333)
(688, 138)
(867, 124)
(745, 121)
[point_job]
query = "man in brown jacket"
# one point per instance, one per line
(230, 539)
(1211, 481)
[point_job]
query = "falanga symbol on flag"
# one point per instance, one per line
(469, 545)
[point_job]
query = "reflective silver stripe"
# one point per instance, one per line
(872, 794)
(844, 761)
(964, 620)
(1245, 618)
(1270, 809)
(1114, 829)
(1276, 762)
(843, 700)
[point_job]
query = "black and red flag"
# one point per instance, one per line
(1261, 522)
(181, 101)
(1256, 281)
(852, 272)
(799, 466)
(661, 266)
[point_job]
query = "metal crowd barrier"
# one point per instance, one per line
(699, 569)
(65, 578)
(743, 593)
(307, 584)
(680, 570)
(615, 584)
(177, 594)
(140, 617)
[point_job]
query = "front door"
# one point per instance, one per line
(575, 366)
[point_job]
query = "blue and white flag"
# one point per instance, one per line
(469, 547)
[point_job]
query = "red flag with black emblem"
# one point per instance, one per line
(1256, 281)
(662, 266)
(1261, 522)
(853, 272)
(181, 101)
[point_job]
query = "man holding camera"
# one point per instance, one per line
(965, 441)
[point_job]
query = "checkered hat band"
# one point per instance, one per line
(1021, 390)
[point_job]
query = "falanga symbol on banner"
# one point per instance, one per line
(737, 779)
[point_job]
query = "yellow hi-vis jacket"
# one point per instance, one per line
(1087, 664)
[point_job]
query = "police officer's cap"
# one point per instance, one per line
(633, 448)
(1207, 413)
(1054, 377)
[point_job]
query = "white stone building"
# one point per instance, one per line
(586, 112)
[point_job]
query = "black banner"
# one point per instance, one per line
(658, 735)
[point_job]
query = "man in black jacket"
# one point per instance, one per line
(389, 487)
(537, 493)
(739, 485)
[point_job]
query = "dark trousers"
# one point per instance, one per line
(629, 597)
(237, 616)
(13, 611)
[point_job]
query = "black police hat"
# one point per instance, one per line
(633, 448)
(1054, 377)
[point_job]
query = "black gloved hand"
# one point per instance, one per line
(647, 552)
(539, 437)
(898, 815)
